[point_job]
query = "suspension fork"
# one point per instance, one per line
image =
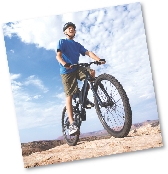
(102, 104)
(84, 91)
(96, 95)
(105, 92)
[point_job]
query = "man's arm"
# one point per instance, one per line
(92, 55)
(59, 58)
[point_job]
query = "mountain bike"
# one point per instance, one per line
(110, 101)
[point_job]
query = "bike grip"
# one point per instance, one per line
(67, 65)
(102, 60)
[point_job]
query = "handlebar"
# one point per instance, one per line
(87, 64)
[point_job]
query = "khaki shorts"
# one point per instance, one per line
(70, 80)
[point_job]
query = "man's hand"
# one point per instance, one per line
(68, 65)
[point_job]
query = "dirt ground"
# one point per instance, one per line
(145, 137)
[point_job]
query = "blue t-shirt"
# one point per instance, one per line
(71, 51)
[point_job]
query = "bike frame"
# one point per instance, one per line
(84, 92)
(106, 100)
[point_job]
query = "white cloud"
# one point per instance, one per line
(15, 85)
(37, 96)
(31, 114)
(12, 51)
(60, 95)
(33, 80)
(114, 33)
(15, 76)
(44, 32)
(30, 111)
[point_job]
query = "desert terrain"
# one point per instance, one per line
(141, 136)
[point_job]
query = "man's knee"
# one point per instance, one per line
(92, 73)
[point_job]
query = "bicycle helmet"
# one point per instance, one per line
(67, 25)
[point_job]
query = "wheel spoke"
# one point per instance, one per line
(113, 116)
(71, 140)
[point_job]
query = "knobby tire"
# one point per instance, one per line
(120, 123)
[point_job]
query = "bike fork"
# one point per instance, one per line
(102, 104)
(95, 94)
(105, 92)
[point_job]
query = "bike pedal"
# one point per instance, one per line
(88, 107)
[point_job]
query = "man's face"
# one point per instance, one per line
(70, 31)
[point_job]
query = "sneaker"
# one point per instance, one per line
(73, 129)
(89, 104)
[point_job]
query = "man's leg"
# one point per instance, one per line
(92, 73)
(70, 86)
(73, 129)
(69, 108)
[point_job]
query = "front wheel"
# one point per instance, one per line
(116, 114)
(71, 140)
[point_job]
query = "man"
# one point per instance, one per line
(68, 52)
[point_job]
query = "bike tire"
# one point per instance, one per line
(70, 140)
(117, 124)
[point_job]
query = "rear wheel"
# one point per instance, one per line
(116, 115)
(71, 140)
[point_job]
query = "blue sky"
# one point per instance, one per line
(114, 33)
